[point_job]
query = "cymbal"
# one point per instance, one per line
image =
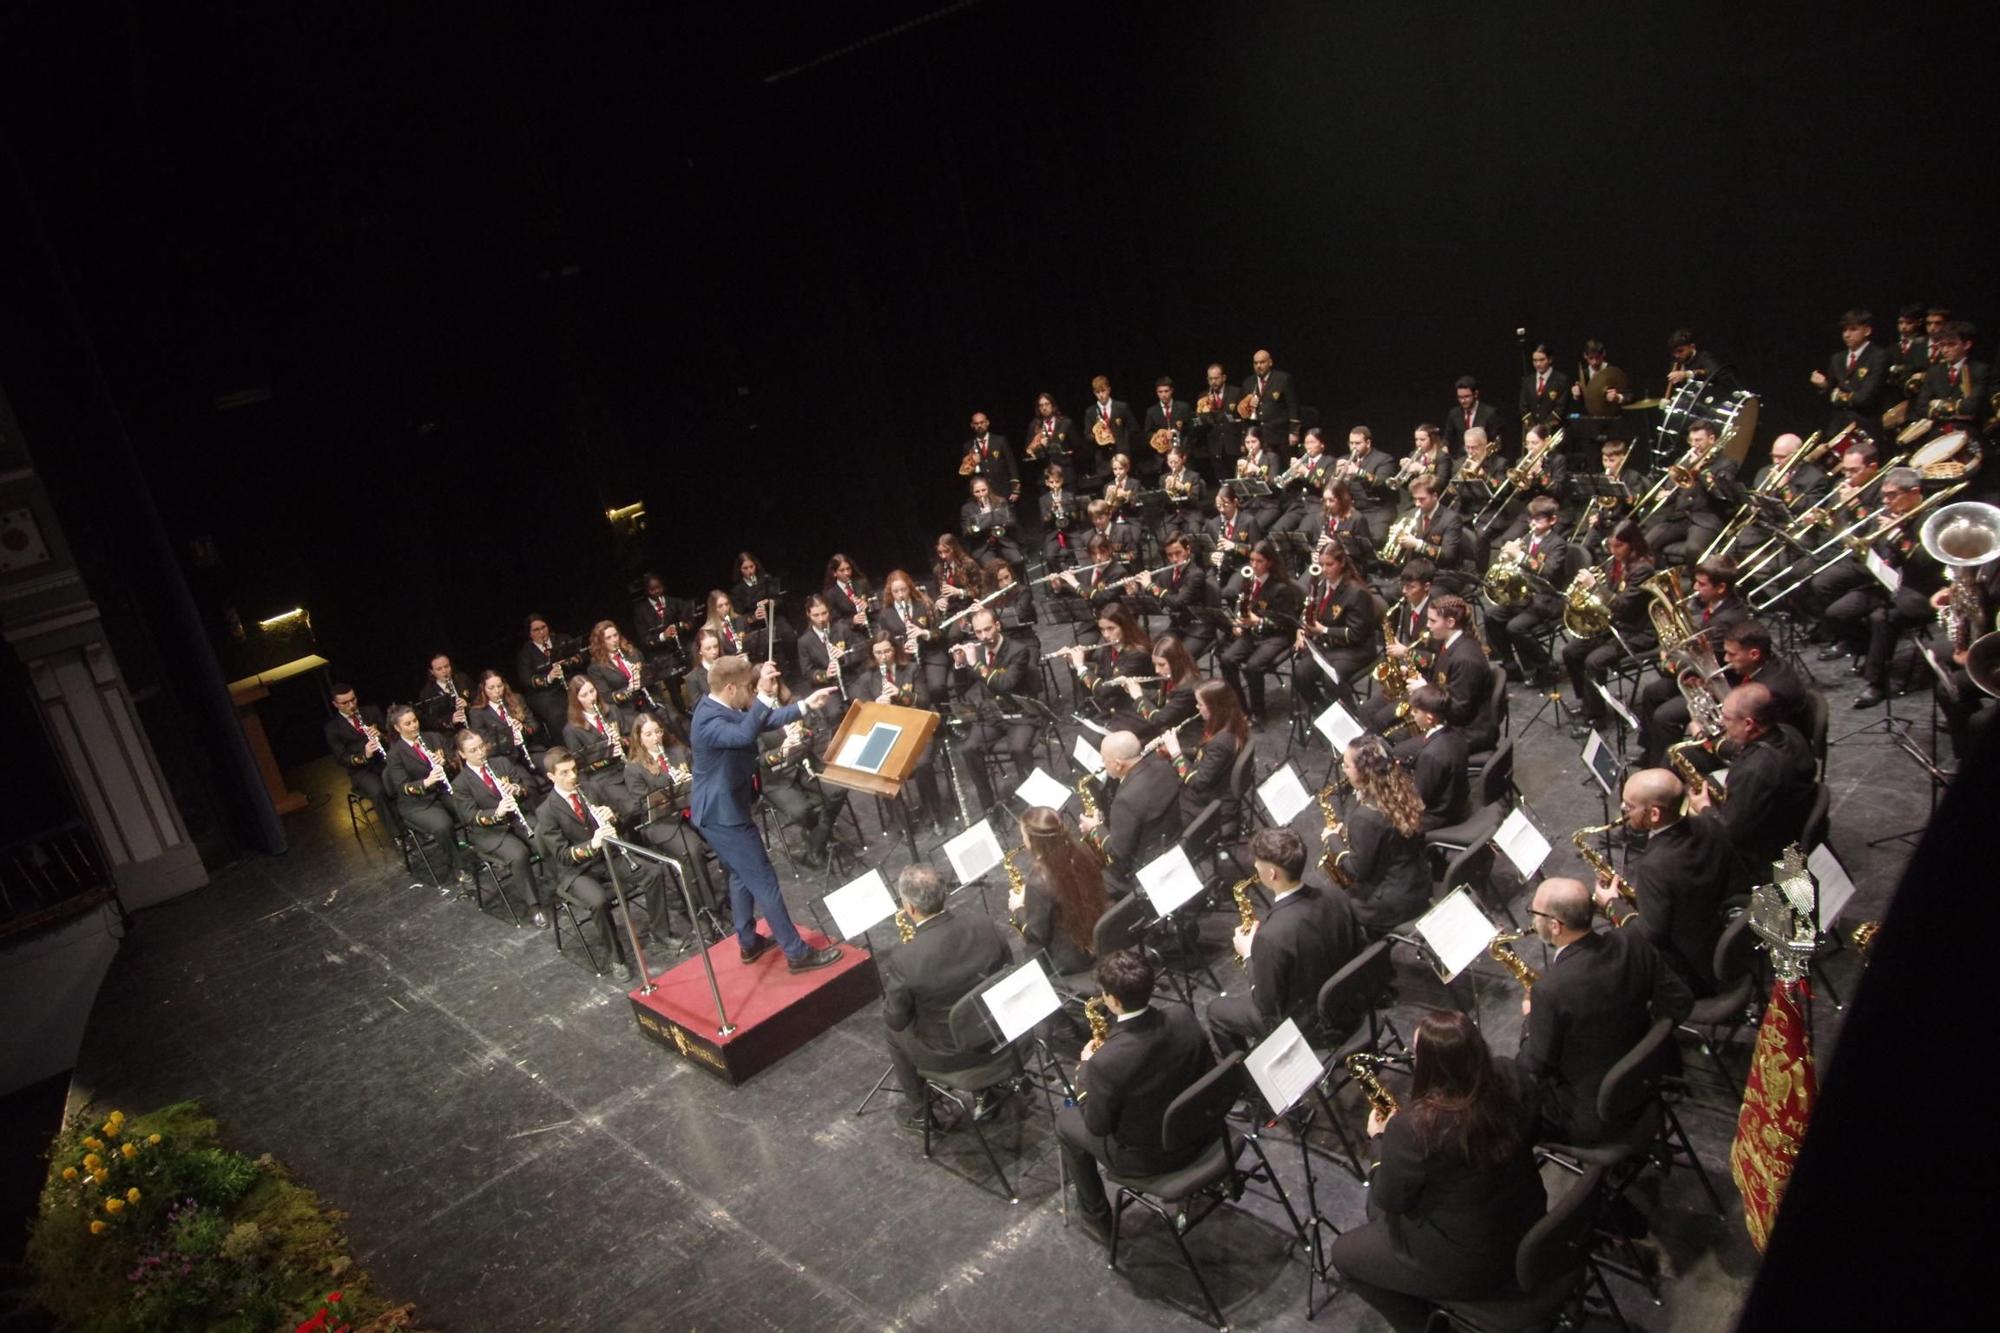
(1640, 405)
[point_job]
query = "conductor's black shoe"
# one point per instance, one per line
(816, 958)
(621, 973)
(1871, 697)
(757, 950)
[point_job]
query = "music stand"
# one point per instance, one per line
(882, 744)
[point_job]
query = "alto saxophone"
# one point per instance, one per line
(1016, 884)
(1246, 911)
(1512, 961)
(1099, 1017)
(1329, 860)
(1361, 1068)
(1677, 758)
(1595, 859)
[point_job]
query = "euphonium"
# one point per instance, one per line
(1392, 543)
(1512, 961)
(1962, 537)
(1246, 911)
(1361, 1068)
(1329, 860)
(1602, 867)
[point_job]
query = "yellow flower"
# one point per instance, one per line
(132, 1195)
(91, 1161)
(111, 1129)
(128, 1151)
(92, 1144)
(114, 1205)
(100, 1175)
(69, 1173)
(99, 1228)
(117, 1117)
(153, 1140)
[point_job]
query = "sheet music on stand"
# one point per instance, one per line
(973, 852)
(1835, 888)
(1283, 794)
(1617, 705)
(1319, 659)
(1947, 683)
(1283, 1067)
(1456, 932)
(1169, 880)
(1339, 727)
(1038, 788)
(1087, 757)
(1885, 574)
(860, 905)
(1020, 999)
(1523, 843)
(1601, 758)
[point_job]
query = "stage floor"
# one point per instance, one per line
(516, 1155)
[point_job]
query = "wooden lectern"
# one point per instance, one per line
(918, 724)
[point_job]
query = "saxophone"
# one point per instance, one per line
(1329, 860)
(1099, 1018)
(1084, 797)
(1246, 911)
(1512, 961)
(1595, 859)
(904, 926)
(1361, 1068)
(1677, 757)
(1017, 884)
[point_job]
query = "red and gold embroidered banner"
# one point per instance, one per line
(1777, 1099)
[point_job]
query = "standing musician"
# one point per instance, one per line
(592, 737)
(1179, 677)
(495, 799)
(1050, 436)
(1265, 605)
(1216, 426)
(1205, 771)
(892, 679)
(659, 776)
(1259, 463)
(1058, 904)
(507, 725)
(1456, 1188)
(1694, 514)
(830, 654)
(1436, 755)
(1771, 779)
(573, 831)
(1381, 835)
(1337, 520)
(1547, 479)
(1124, 1087)
(1910, 359)
(754, 596)
(1167, 414)
(1956, 387)
(1337, 622)
(846, 590)
(540, 666)
(444, 696)
(1064, 519)
(1598, 995)
(987, 458)
(1109, 425)
(1602, 389)
(1660, 706)
(1186, 491)
(1302, 484)
(415, 776)
(1307, 936)
(1231, 533)
(908, 615)
(1588, 662)
(1184, 595)
(1602, 514)
(726, 725)
(356, 738)
(1691, 363)
(949, 955)
(785, 756)
(707, 648)
(659, 619)
(1120, 486)
(1867, 619)
(1145, 814)
(989, 526)
(1680, 879)
(1544, 392)
(1856, 380)
(1470, 414)
(1370, 473)
(1513, 632)
(1275, 408)
(1120, 651)
(618, 671)
(989, 673)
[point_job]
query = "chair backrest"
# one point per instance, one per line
(1635, 1079)
(1243, 771)
(1200, 835)
(1496, 780)
(1496, 699)
(1557, 1246)
(971, 1028)
(1575, 561)
(1472, 866)
(1121, 926)
(1351, 994)
(1817, 714)
(1813, 832)
(1201, 1110)
(1734, 950)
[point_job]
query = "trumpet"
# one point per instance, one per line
(1513, 962)
(1361, 1067)
(1412, 467)
(1246, 911)
(1597, 862)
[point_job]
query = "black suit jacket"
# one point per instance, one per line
(1277, 406)
(349, 747)
(1464, 673)
(1963, 403)
(1204, 772)
(478, 806)
(946, 959)
(533, 667)
(1485, 417)
(1307, 936)
(1177, 416)
(1277, 604)
(1868, 387)
(435, 706)
(499, 737)
(816, 662)
(995, 462)
(1179, 594)
(1123, 427)
(565, 838)
(1550, 405)
(1770, 791)
(1053, 443)
(1438, 762)
(1442, 536)
(1593, 1003)
(1144, 815)
(1042, 930)
(1146, 1061)
(405, 771)
(1681, 881)
(652, 622)
(1392, 883)
(1006, 669)
(984, 532)
(1787, 691)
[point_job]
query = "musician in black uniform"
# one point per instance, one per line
(1215, 429)
(1856, 380)
(756, 596)
(1095, 591)
(1187, 494)
(1204, 767)
(1308, 934)
(495, 801)
(1064, 519)
(1231, 533)
(1868, 618)
(1277, 406)
(1168, 703)
(1691, 363)
(1124, 1087)
(846, 590)
(1108, 427)
(1852, 497)
(786, 760)
(1456, 1188)
(1184, 595)
(1588, 662)
(1801, 485)
(1062, 896)
(1050, 437)
(1548, 478)
(1265, 611)
(444, 697)
(1680, 880)
(1381, 851)
(1145, 807)
(1470, 414)
(1598, 995)
(1437, 532)
(1606, 512)
(1259, 462)
(907, 614)
(1436, 755)
(1661, 707)
(619, 673)
(414, 774)
(659, 777)
(1478, 475)
(829, 654)
(592, 735)
(1544, 391)
(1771, 779)
(707, 650)
(1168, 414)
(992, 461)
(1303, 485)
(1370, 475)
(1336, 519)
(1337, 624)
(988, 526)
(1120, 651)
(891, 678)
(1910, 357)
(660, 619)
(990, 674)
(1513, 632)
(1956, 387)
(1462, 671)
(358, 740)
(950, 955)
(573, 832)
(540, 667)
(1122, 536)
(1687, 522)
(1015, 608)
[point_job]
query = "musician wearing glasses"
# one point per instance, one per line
(1379, 845)
(949, 955)
(991, 673)
(1308, 935)
(1544, 391)
(1867, 619)
(1797, 487)
(1479, 474)
(1856, 381)
(1436, 755)
(1618, 585)
(1470, 414)
(445, 695)
(1370, 474)
(1712, 610)
(358, 739)
(495, 800)
(1513, 632)
(1214, 429)
(1266, 605)
(1679, 881)
(417, 780)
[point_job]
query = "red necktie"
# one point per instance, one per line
(355, 722)
(1706, 612)
(486, 776)
(576, 804)
(418, 746)
(1256, 588)
(597, 720)
(1541, 381)
(1853, 355)
(1468, 418)
(1952, 377)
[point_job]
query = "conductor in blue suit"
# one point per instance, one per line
(739, 706)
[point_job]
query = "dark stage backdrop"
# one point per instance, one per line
(500, 275)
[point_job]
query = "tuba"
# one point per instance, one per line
(1699, 679)
(1962, 537)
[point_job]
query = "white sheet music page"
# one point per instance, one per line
(1283, 794)
(1835, 888)
(973, 852)
(1338, 726)
(1456, 931)
(1041, 789)
(1617, 705)
(1021, 999)
(1169, 879)
(1086, 754)
(1523, 842)
(1283, 1067)
(860, 904)
(1885, 573)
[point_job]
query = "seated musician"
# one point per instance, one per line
(1338, 626)
(1616, 583)
(989, 673)
(357, 737)
(414, 774)
(659, 774)
(1370, 474)
(1511, 519)
(1603, 513)
(1381, 854)
(1064, 519)
(730, 629)
(1120, 652)
(1408, 650)
(707, 649)
(1852, 498)
(1062, 896)
(846, 590)
(1167, 703)
(1435, 753)
(1121, 536)
(1693, 515)
(1231, 533)
(1050, 437)
(445, 695)
(1478, 475)
(619, 672)
(1303, 484)
(891, 678)
(1308, 935)
(1184, 595)
(1339, 521)
(1015, 607)
(908, 614)
(1092, 587)
(592, 737)
(788, 759)
(1148, 1057)
(495, 800)
(1205, 766)
(1145, 811)
(988, 526)
(1661, 706)
(1265, 605)
(1772, 774)
(1869, 619)
(1456, 1187)
(1259, 463)
(507, 725)
(1464, 673)
(573, 831)
(1436, 532)
(829, 653)
(1798, 488)
(1186, 491)
(659, 619)
(541, 668)
(950, 955)
(955, 579)
(755, 596)
(1598, 995)
(1513, 632)
(1679, 881)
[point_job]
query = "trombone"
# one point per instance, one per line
(1814, 514)
(1849, 543)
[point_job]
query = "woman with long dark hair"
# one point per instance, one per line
(1384, 851)
(1169, 701)
(1455, 1188)
(618, 669)
(1063, 896)
(592, 734)
(1264, 606)
(846, 590)
(756, 597)
(1123, 651)
(505, 721)
(1338, 625)
(1204, 770)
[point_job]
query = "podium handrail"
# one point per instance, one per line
(722, 1025)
